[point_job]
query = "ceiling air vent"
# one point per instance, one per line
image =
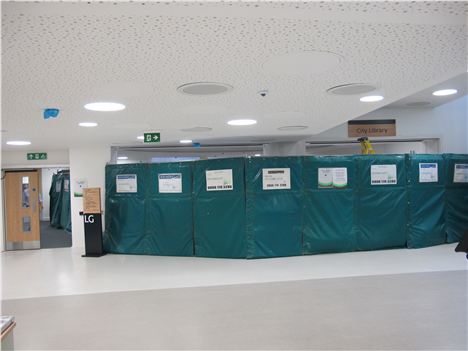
(204, 88)
(352, 89)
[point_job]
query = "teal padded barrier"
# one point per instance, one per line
(219, 216)
(274, 217)
(65, 211)
(125, 213)
(55, 208)
(169, 220)
(456, 196)
(382, 206)
(426, 191)
(329, 204)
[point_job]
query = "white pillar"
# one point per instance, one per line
(297, 148)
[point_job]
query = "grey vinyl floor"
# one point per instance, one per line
(54, 238)
(417, 311)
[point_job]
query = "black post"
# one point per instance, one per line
(93, 234)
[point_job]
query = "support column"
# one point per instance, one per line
(297, 148)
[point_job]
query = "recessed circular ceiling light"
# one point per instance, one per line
(140, 137)
(242, 122)
(445, 92)
(104, 106)
(351, 89)
(372, 98)
(204, 88)
(88, 124)
(18, 142)
(292, 128)
(258, 155)
(185, 141)
(122, 158)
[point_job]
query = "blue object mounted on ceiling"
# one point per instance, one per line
(51, 113)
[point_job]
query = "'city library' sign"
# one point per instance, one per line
(372, 128)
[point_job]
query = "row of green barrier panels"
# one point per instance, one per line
(285, 206)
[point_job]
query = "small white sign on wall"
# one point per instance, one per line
(126, 183)
(170, 182)
(276, 178)
(219, 180)
(428, 173)
(383, 174)
(460, 173)
(333, 177)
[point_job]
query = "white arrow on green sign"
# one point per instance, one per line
(34, 156)
(152, 137)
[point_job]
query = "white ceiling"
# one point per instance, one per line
(63, 55)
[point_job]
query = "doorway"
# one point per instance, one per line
(22, 210)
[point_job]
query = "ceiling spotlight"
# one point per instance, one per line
(140, 137)
(445, 92)
(18, 142)
(242, 122)
(88, 124)
(257, 155)
(372, 98)
(185, 141)
(122, 158)
(104, 106)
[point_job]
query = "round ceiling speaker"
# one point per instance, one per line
(352, 89)
(204, 88)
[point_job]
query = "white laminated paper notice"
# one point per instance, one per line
(383, 174)
(276, 178)
(218, 180)
(170, 182)
(126, 183)
(428, 173)
(460, 173)
(333, 177)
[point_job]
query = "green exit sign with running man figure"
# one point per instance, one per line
(36, 156)
(152, 137)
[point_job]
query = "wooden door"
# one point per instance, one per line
(22, 210)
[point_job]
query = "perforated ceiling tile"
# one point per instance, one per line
(67, 54)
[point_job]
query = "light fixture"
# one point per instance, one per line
(18, 142)
(122, 158)
(372, 98)
(242, 122)
(257, 155)
(185, 141)
(104, 106)
(445, 92)
(88, 124)
(140, 137)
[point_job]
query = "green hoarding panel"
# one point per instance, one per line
(456, 196)
(426, 205)
(65, 211)
(126, 210)
(55, 193)
(329, 204)
(274, 206)
(381, 208)
(169, 219)
(219, 208)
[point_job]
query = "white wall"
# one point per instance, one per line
(18, 158)
(89, 164)
(448, 122)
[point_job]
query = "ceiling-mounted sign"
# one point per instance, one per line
(152, 137)
(36, 156)
(372, 128)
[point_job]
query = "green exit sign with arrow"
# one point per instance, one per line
(33, 156)
(152, 137)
